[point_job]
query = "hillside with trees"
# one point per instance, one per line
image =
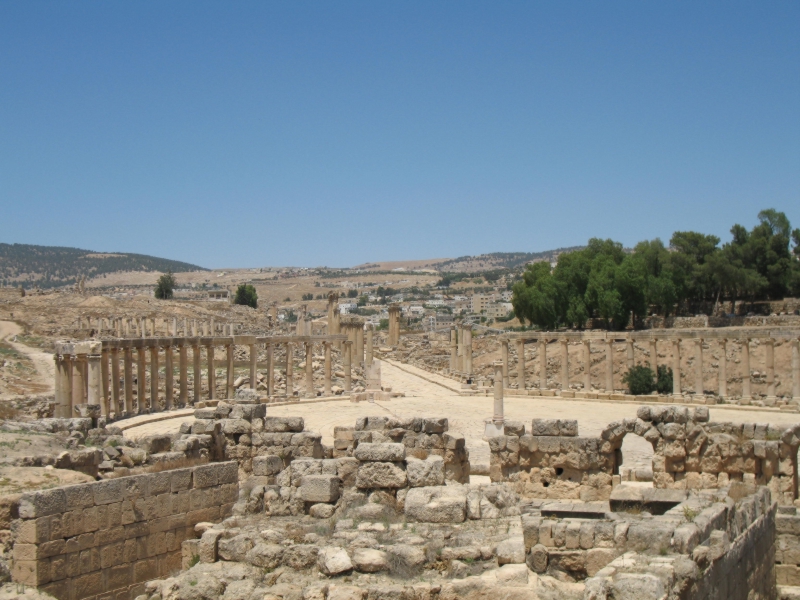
(53, 266)
(689, 276)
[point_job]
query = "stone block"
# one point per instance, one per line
(368, 560)
(43, 503)
(423, 473)
(267, 465)
(568, 427)
(381, 475)
(235, 426)
(206, 476)
(380, 452)
(438, 504)
(516, 428)
(283, 424)
(320, 488)
(511, 551)
(333, 561)
(545, 427)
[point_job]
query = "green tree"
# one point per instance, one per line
(246, 296)
(165, 286)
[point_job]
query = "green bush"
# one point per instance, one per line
(664, 384)
(164, 287)
(246, 296)
(640, 380)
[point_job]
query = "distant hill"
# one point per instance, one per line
(500, 260)
(53, 266)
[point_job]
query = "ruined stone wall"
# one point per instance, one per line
(689, 453)
(108, 537)
(787, 550)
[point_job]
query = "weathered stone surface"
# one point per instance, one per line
(333, 561)
(380, 452)
(322, 511)
(320, 488)
(267, 465)
(445, 504)
(538, 558)
(381, 475)
(511, 551)
(283, 424)
(367, 560)
(426, 472)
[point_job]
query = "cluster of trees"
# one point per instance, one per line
(246, 296)
(608, 282)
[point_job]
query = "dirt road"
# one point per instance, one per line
(44, 380)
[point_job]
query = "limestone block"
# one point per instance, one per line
(300, 556)
(412, 556)
(267, 465)
(434, 425)
(322, 511)
(422, 473)
(268, 556)
(235, 426)
(598, 558)
(380, 452)
(283, 424)
(454, 441)
(516, 428)
(538, 558)
(438, 504)
(511, 551)
(530, 530)
(381, 475)
(346, 592)
(333, 561)
(248, 411)
(512, 575)
(42, 504)
(320, 488)
(207, 547)
(367, 560)
(545, 427)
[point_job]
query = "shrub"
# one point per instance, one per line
(664, 383)
(640, 380)
(246, 296)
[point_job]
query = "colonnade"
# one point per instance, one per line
(125, 327)
(680, 343)
(461, 349)
(101, 372)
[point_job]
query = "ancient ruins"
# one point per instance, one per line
(204, 479)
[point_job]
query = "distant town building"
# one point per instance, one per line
(219, 295)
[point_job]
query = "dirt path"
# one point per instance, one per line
(44, 382)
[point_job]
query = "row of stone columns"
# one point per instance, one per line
(461, 349)
(88, 373)
(147, 327)
(677, 377)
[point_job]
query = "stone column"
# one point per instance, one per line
(127, 368)
(676, 367)
(498, 418)
(468, 350)
(229, 371)
(183, 374)
(95, 377)
(143, 327)
(746, 391)
(69, 374)
(722, 375)
(453, 350)
(174, 326)
(213, 328)
(394, 325)
(270, 369)
(169, 376)
(104, 374)
(360, 344)
(542, 364)
(699, 390)
(115, 404)
(796, 370)
(327, 346)
(154, 405)
(59, 386)
(460, 351)
(78, 385)
(520, 343)
(153, 327)
(654, 354)
(770, 352)
(369, 345)
(564, 364)
(185, 327)
(587, 365)
(197, 374)
(141, 379)
(629, 355)
(253, 366)
(348, 375)
(610, 365)
(289, 371)
(212, 374)
(310, 370)
(504, 359)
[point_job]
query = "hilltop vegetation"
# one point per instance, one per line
(499, 260)
(604, 281)
(53, 266)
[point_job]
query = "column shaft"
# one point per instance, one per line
(104, 382)
(499, 410)
(796, 370)
(69, 401)
(327, 346)
(95, 380)
(369, 346)
(587, 366)
(654, 354)
(676, 367)
(746, 390)
(770, 351)
(141, 379)
(310, 369)
(542, 364)
(610, 366)
(212, 372)
(127, 375)
(154, 404)
(270, 369)
(722, 376)
(197, 374)
(183, 374)
(453, 350)
(115, 381)
(253, 366)
(520, 364)
(348, 376)
(229, 372)
(169, 376)
(698, 373)
(564, 365)
(468, 350)
(289, 371)
(504, 359)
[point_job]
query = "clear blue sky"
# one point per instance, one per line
(239, 134)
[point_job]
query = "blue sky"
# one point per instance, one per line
(296, 133)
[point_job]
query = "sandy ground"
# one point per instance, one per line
(467, 414)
